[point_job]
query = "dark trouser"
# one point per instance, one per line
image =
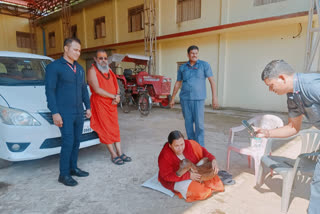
(70, 133)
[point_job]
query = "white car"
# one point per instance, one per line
(26, 128)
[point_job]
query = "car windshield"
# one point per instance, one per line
(22, 71)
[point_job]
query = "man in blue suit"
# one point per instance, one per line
(66, 91)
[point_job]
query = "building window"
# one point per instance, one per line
(52, 40)
(99, 27)
(23, 39)
(188, 10)
(263, 2)
(74, 31)
(135, 18)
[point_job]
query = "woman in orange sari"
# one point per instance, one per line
(104, 99)
(187, 186)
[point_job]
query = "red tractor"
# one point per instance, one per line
(138, 87)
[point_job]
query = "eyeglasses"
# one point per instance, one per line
(103, 58)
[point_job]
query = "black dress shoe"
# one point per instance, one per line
(67, 180)
(78, 172)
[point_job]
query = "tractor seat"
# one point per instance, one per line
(127, 73)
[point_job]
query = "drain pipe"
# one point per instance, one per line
(44, 41)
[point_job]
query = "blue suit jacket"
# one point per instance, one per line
(66, 91)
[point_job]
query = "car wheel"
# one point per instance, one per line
(5, 163)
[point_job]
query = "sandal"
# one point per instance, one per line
(224, 174)
(226, 177)
(117, 161)
(125, 158)
(228, 181)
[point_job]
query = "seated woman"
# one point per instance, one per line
(188, 185)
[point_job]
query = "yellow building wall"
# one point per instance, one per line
(9, 25)
(245, 10)
(82, 62)
(213, 13)
(98, 10)
(134, 49)
(171, 52)
(247, 54)
(56, 27)
(39, 41)
(210, 16)
(77, 19)
(122, 21)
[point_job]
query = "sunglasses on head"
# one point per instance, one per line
(103, 58)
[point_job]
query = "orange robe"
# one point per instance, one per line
(200, 191)
(104, 119)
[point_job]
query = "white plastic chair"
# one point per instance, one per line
(256, 152)
(288, 168)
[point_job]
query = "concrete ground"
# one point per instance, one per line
(31, 187)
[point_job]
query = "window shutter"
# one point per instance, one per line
(188, 10)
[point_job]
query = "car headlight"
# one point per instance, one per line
(17, 117)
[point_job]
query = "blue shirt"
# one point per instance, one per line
(194, 80)
(66, 90)
(305, 98)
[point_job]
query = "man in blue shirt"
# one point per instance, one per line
(66, 91)
(303, 98)
(192, 81)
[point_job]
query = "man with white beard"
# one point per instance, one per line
(104, 99)
(103, 66)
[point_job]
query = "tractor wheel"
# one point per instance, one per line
(144, 104)
(122, 91)
(166, 102)
(125, 104)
